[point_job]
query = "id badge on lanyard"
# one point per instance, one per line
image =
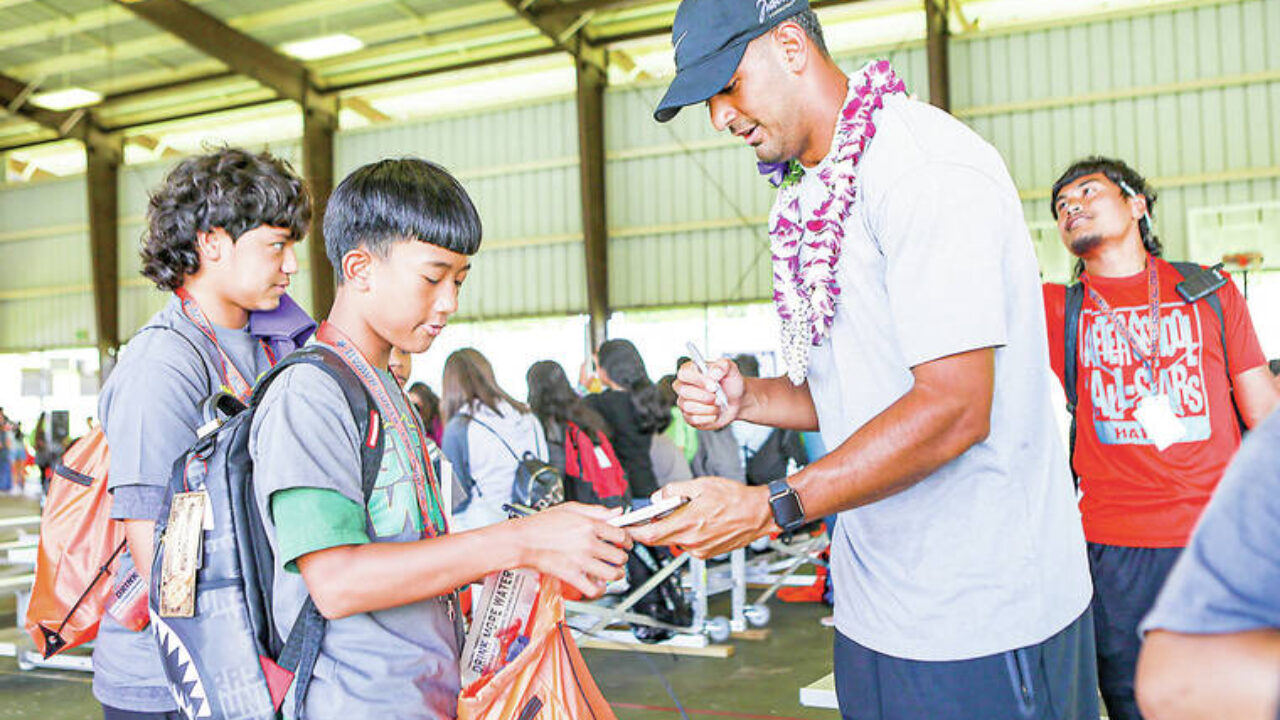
(1155, 410)
(424, 481)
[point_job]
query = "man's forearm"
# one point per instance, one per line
(141, 538)
(1203, 677)
(1256, 394)
(943, 415)
(776, 402)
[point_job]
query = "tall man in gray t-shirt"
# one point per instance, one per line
(915, 341)
(221, 231)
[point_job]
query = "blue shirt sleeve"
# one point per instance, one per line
(1228, 579)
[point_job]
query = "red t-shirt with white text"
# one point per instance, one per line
(1133, 495)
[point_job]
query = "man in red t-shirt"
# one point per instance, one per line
(1148, 453)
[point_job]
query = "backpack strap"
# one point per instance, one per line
(500, 439)
(302, 648)
(456, 445)
(1071, 327)
(1185, 269)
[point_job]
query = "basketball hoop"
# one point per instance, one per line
(1247, 260)
(1243, 262)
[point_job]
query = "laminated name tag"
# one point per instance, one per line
(1155, 414)
(182, 545)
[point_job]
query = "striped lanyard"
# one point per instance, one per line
(1150, 357)
(232, 380)
(424, 480)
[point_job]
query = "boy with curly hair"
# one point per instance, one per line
(220, 236)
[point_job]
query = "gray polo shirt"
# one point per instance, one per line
(149, 408)
(395, 663)
(986, 554)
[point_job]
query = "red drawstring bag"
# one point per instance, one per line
(548, 680)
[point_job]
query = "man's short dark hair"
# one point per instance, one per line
(232, 189)
(399, 199)
(808, 21)
(1126, 178)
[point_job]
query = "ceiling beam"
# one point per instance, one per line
(403, 71)
(365, 109)
(241, 52)
(576, 8)
(27, 170)
(15, 97)
(565, 31)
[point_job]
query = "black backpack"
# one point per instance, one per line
(1071, 325)
(771, 461)
(228, 660)
(537, 484)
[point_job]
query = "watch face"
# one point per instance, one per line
(787, 512)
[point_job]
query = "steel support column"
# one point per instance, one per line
(104, 154)
(938, 36)
(591, 168)
(317, 161)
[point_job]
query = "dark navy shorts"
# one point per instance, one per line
(1053, 680)
(111, 713)
(1126, 581)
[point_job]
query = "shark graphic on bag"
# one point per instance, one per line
(225, 659)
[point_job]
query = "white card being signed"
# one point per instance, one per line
(1155, 414)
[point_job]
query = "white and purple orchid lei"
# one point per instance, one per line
(806, 248)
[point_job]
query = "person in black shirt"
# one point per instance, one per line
(633, 407)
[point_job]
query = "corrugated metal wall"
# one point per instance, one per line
(520, 167)
(1191, 96)
(45, 298)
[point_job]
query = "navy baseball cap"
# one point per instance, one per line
(710, 37)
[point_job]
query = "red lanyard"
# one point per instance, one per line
(424, 480)
(1151, 358)
(231, 377)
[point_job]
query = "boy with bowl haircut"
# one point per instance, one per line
(400, 234)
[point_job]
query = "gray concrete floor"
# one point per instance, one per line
(761, 680)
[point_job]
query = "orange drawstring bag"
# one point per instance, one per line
(80, 547)
(548, 680)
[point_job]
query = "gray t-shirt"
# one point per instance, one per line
(149, 408)
(395, 663)
(986, 554)
(1228, 578)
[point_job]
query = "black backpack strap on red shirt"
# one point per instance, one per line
(1074, 304)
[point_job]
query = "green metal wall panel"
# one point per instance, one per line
(1190, 96)
(519, 165)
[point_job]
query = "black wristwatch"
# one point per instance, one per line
(785, 504)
